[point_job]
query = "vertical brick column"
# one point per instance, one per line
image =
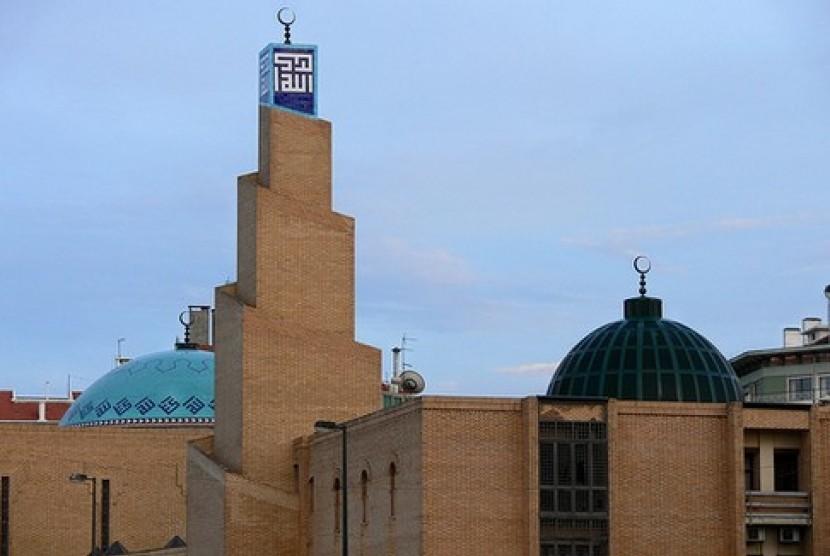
(285, 350)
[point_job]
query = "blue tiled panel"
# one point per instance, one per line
(288, 77)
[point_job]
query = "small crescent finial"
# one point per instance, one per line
(186, 324)
(287, 17)
(642, 265)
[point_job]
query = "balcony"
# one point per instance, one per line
(777, 508)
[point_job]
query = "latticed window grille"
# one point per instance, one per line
(573, 489)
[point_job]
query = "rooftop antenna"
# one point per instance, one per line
(287, 17)
(119, 356)
(642, 265)
(404, 349)
(404, 380)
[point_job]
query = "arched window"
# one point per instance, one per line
(337, 505)
(393, 472)
(364, 494)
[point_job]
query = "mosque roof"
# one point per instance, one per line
(170, 387)
(646, 357)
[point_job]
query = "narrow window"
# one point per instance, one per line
(4, 516)
(311, 495)
(337, 505)
(393, 471)
(752, 475)
(105, 514)
(364, 493)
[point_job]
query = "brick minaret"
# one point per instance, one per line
(285, 349)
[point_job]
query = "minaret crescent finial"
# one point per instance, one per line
(287, 17)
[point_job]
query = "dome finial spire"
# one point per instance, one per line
(642, 265)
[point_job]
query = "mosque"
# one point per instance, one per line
(236, 442)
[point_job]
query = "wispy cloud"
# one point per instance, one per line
(543, 368)
(433, 266)
(629, 241)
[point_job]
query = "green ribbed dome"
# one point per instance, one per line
(646, 357)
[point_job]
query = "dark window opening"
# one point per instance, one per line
(364, 495)
(311, 495)
(393, 473)
(4, 516)
(752, 468)
(105, 513)
(785, 467)
(337, 505)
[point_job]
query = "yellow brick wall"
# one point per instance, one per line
(475, 495)
(374, 443)
(52, 516)
(227, 443)
(285, 349)
(672, 484)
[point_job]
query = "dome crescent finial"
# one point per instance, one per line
(642, 265)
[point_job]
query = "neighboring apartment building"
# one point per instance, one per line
(43, 409)
(797, 372)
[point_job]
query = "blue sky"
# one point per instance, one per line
(504, 162)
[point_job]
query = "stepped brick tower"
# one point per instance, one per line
(285, 350)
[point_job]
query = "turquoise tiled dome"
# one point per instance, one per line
(171, 387)
(646, 357)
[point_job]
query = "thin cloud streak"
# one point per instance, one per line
(542, 368)
(628, 241)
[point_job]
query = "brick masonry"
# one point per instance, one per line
(285, 350)
(52, 516)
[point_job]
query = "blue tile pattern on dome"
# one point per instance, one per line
(170, 387)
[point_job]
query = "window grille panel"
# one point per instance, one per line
(600, 500)
(563, 463)
(547, 464)
(581, 464)
(581, 503)
(573, 476)
(547, 501)
(599, 464)
(564, 499)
